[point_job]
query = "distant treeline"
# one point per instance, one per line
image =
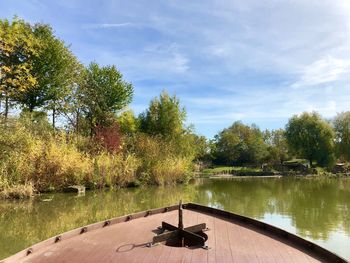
(308, 136)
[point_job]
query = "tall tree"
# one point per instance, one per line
(104, 92)
(277, 145)
(74, 108)
(56, 70)
(311, 137)
(240, 144)
(164, 117)
(342, 132)
(18, 47)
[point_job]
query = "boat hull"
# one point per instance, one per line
(231, 238)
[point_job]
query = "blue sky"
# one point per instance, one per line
(250, 60)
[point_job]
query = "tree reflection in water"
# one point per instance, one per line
(317, 208)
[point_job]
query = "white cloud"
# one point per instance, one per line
(106, 25)
(324, 70)
(180, 63)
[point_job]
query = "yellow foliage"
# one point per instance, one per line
(116, 169)
(18, 191)
(47, 162)
(170, 170)
(159, 164)
(59, 165)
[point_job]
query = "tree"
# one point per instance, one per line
(104, 92)
(276, 145)
(18, 47)
(240, 144)
(56, 70)
(74, 108)
(202, 147)
(311, 137)
(128, 123)
(164, 117)
(342, 133)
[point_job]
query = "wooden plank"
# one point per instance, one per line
(222, 244)
(200, 255)
(229, 241)
(241, 248)
(211, 242)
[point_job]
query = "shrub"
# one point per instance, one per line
(19, 191)
(48, 161)
(111, 170)
(109, 137)
(170, 170)
(159, 164)
(58, 164)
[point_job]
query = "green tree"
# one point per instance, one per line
(276, 145)
(342, 132)
(164, 117)
(56, 70)
(202, 147)
(18, 47)
(311, 137)
(104, 92)
(74, 109)
(128, 123)
(240, 144)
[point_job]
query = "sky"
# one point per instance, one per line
(256, 61)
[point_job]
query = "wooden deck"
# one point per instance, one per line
(229, 239)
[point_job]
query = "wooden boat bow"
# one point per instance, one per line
(231, 238)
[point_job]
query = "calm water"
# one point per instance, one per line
(316, 209)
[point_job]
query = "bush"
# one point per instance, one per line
(47, 161)
(159, 163)
(19, 191)
(170, 170)
(58, 164)
(111, 170)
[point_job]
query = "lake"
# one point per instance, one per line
(316, 209)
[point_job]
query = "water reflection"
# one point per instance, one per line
(318, 209)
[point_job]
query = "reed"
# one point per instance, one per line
(33, 161)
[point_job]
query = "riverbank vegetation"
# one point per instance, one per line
(309, 143)
(92, 138)
(63, 123)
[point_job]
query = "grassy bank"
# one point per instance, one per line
(230, 170)
(36, 160)
(250, 171)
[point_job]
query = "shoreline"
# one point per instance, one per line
(225, 175)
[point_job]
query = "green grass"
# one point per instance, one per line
(221, 169)
(302, 161)
(217, 169)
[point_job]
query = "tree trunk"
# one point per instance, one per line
(54, 118)
(310, 160)
(77, 124)
(6, 107)
(91, 127)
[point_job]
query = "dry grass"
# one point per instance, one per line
(19, 191)
(114, 170)
(55, 162)
(159, 163)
